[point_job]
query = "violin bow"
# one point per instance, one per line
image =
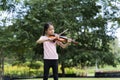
(63, 31)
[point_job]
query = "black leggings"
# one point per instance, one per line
(47, 65)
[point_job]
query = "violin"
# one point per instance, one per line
(63, 39)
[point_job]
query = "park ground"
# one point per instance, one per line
(75, 79)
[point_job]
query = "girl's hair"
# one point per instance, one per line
(46, 26)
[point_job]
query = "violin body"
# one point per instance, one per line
(63, 39)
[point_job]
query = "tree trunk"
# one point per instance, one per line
(84, 68)
(1, 65)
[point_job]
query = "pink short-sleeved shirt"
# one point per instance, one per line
(50, 51)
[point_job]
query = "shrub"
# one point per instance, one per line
(34, 65)
(24, 70)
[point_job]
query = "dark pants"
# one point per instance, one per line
(47, 65)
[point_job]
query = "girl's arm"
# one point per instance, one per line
(39, 41)
(42, 39)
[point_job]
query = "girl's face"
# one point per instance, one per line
(50, 30)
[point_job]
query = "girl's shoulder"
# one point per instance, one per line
(43, 37)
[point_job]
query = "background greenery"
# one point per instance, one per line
(79, 79)
(27, 70)
(87, 21)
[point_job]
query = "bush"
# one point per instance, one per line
(77, 72)
(24, 70)
(16, 71)
(34, 65)
(36, 70)
(70, 70)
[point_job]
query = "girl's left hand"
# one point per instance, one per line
(57, 36)
(69, 40)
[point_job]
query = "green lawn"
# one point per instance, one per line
(76, 79)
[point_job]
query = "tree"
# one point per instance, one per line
(83, 23)
(83, 19)
(7, 7)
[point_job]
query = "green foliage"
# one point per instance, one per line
(25, 71)
(8, 5)
(83, 19)
(22, 71)
(34, 65)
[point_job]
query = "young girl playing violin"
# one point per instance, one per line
(50, 52)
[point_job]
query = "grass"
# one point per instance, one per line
(76, 79)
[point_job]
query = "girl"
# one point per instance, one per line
(50, 52)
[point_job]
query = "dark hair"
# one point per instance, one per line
(46, 26)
